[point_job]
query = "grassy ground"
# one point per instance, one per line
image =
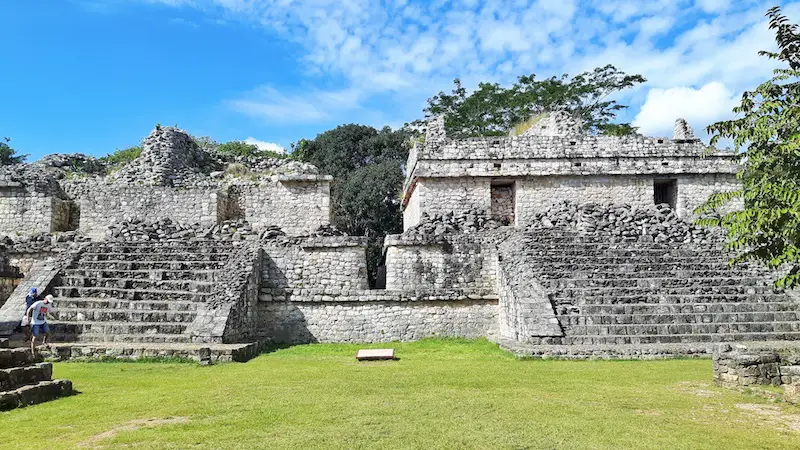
(441, 394)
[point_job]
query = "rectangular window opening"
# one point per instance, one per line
(665, 191)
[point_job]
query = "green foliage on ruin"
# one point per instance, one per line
(367, 168)
(494, 110)
(241, 148)
(123, 156)
(767, 131)
(8, 155)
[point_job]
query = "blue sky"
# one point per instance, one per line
(91, 76)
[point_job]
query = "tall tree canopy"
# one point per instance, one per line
(367, 168)
(8, 155)
(493, 110)
(767, 130)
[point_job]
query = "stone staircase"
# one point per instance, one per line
(138, 299)
(641, 293)
(26, 380)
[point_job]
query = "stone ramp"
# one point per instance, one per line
(26, 380)
(133, 299)
(642, 293)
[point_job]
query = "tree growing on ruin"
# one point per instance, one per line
(767, 131)
(367, 168)
(494, 110)
(8, 155)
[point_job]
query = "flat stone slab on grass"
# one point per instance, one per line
(375, 354)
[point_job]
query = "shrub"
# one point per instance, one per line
(123, 156)
(240, 148)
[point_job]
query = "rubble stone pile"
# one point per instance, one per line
(622, 223)
(451, 222)
(75, 162)
(165, 229)
(40, 243)
(170, 157)
(34, 178)
(272, 166)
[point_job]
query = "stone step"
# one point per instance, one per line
(4, 343)
(146, 284)
(678, 318)
(196, 275)
(218, 352)
(700, 289)
(677, 272)
(36, 393)
(113, 328)
(71, 338)
(683, 328)
(653, 282)
(214, 247)
(666, 339)
(148, 265)
(16, 357)
(639, 253)
(67, 303)
(121, 315)
(684, 308)
(672, 299)
(153, 256)
(551, 268)
(16, 377)
(129, 294)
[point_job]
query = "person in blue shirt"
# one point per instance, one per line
(30, 299)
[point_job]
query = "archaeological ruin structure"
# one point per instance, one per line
(552, 243)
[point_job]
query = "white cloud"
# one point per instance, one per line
(700, 107)
(265, 146)
(409, 50)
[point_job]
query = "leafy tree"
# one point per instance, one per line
(123, 156)
(767, 129)
(241, 148)
(493, 110)
(367, 168)
(8, 155)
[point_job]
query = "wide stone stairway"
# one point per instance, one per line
(138, 299)
(640, 293)
(26, 380)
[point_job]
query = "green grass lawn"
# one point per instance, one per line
(440, 394)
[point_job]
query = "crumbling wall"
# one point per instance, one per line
(109, 204)
(298, 205)
(444, 195)
(322, 265)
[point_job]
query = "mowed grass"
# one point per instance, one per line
(440, 394)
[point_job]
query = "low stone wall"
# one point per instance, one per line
(26, 212)
(737, 366)
(454, 261)
(333, 264)
(376, 321)
(109, 204)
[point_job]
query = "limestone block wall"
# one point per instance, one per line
(535, 194)
(24, 261)
(330, 265)
(23, 212)
(412, 212)
(297, 205)
(108, 204)
(694, 190)
(305, 322)
(460, 261)
(443, 195)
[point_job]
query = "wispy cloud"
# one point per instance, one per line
(410, 49)
(265, 146)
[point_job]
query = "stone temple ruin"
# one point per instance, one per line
(551, 243)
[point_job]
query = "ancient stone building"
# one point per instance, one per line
(550, 243)
(513, 178)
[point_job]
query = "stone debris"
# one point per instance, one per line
(75, 162)
(165, 229)
(623, 223)
(451, 222)
(328, 231)
(170, 157)
(41, 243)
(683, 132)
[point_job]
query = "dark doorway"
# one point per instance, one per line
(665, 191)
(503, 202)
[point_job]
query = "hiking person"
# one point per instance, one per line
(37, 314)
(25, 324)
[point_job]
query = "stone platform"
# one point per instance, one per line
(631, 351)
(199, 352)
(26, 380)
